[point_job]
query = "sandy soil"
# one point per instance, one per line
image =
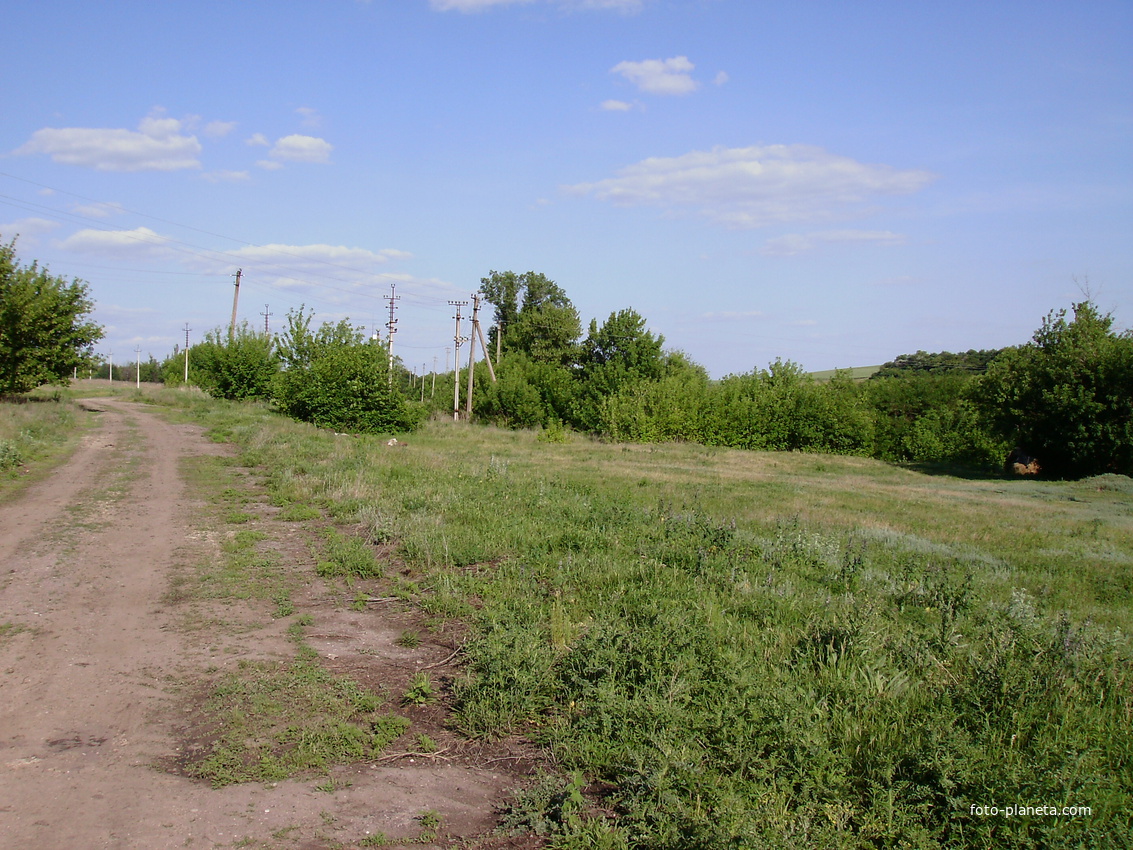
(95, 665)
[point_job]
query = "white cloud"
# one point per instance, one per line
(616, 106)
(659, 76)
(298, 148)
(269, 165)
(330, 272)
(27, 227)
(311, 117)
(139, 242)
(258, 140)
(225, 176)
(756, 186)
(732, 314)
(794, 244)
(98, 210)
(219, 129)
(721, 78)
(157, 145)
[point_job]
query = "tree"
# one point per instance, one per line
(234, 366)
(536, 315)
(1066, 397)
(618, 355)
(45, 332)
(336, 378)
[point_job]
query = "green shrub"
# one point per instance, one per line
(336, 379)
(234, 366)
(1066, 397)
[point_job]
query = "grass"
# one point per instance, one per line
(36, 432)
(751, 649)
(277, 720)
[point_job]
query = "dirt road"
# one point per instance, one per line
(90, 656)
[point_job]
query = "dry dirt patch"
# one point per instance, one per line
(97, 660)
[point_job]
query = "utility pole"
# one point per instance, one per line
(138, 367)
(457, 340)
(235, 300)
(424, 366)
(392, 298)
(187, 329)
(433, 391)
(483, 344)
(471, 357)
(265, 314)
(111, 358)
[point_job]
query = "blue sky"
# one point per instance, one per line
(833, 183)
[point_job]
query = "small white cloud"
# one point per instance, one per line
(258, 140)
(616, 106)
(312, 120)
(756, 186)
(298, 148)
(139, 242)
(269, 164)
(794, 244)
(27, 227)
(721, 78)
(97, 210)
(219, 129)
(157, 145)
(659, 76)
(732, 314)
(226, 176)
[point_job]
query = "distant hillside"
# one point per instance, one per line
(858, 373)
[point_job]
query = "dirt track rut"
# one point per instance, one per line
(86, 711)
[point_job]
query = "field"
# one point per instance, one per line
(719, 648)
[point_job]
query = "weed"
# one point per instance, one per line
(430, 822)
(347, 556)
(425, 744)
(273, 721)
(298, 513)
(408, 640)
(284, 607)
(420, 690)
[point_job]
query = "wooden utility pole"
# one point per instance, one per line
(457, 340)
(392, 298)
(484, 345)
(235, 301)
(471, 357)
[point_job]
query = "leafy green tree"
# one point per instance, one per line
(618, 355)
(45, 332)
(1066, 397)
(970, 362)
(234, 366)
(536, 315)
(336, 378)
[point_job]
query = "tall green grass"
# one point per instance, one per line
(32, 430)
(750, 649)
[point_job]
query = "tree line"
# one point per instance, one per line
(1064, 397)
